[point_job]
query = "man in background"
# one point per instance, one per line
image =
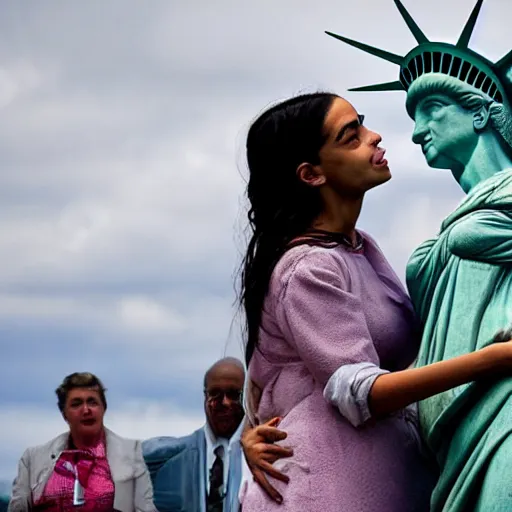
(202, 472)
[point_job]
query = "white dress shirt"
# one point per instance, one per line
(212, 443)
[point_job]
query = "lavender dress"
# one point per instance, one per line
(341, 317)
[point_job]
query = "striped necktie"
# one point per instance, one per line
(216, 494)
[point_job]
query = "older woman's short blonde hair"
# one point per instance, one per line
(79, 380)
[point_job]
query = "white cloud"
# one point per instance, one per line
(145, 314)
(134, 319)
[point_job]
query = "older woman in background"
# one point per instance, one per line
(89, 466)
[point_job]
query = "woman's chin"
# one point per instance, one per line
(91, 430)
(384, 175)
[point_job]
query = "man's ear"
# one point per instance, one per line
(481, 118)
(310, 174)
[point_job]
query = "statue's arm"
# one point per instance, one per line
(485, 235)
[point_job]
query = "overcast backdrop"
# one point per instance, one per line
(122, 171)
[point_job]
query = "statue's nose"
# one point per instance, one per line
(420, 129)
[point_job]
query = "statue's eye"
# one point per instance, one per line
(432, 106)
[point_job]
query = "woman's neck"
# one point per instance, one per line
(340, 217)
(81, 442)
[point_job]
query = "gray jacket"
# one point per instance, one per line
(133, 490)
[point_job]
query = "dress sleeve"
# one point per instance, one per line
(348, 389)
(324, 321)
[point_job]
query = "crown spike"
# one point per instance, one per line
(390, 57)
(413, 27)
(388, 86)
(464, 38)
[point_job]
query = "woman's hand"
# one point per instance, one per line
(261, 452)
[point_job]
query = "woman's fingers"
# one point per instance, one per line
(273, 472)
(270, 434)
(262, 481)
(279, 452)
(274, 422)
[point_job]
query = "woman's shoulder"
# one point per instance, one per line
(44, 451)
(307, 255)
(367, 237)
(370, 244)
(112, 436)
(116, 443)
(306, 261)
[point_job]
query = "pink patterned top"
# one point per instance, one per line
(83, 476)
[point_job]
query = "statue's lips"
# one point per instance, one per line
(426, 147)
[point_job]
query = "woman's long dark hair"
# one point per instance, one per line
(282, 207)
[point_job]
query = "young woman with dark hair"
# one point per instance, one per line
(331, 333)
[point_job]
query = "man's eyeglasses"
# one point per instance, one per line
(217, 395)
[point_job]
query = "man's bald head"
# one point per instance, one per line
(226, 364)
(223, 387)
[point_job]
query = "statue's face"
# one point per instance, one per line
(445, 131)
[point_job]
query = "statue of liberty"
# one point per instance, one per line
(461, 281)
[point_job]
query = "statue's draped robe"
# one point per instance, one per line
(461, 286)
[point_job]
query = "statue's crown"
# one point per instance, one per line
(458, 61)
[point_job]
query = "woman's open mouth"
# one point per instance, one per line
(378, 159)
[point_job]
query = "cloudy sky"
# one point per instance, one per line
(122, 177)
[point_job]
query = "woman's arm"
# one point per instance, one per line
(362, 391)
(394, 391)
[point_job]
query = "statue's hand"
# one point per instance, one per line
(261, 452)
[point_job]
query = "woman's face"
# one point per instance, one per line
(351, 160)
(84, 412)
(445, 131)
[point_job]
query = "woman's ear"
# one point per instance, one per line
(481, 118)
(310, 174)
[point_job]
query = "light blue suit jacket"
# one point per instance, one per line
(177, 466)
